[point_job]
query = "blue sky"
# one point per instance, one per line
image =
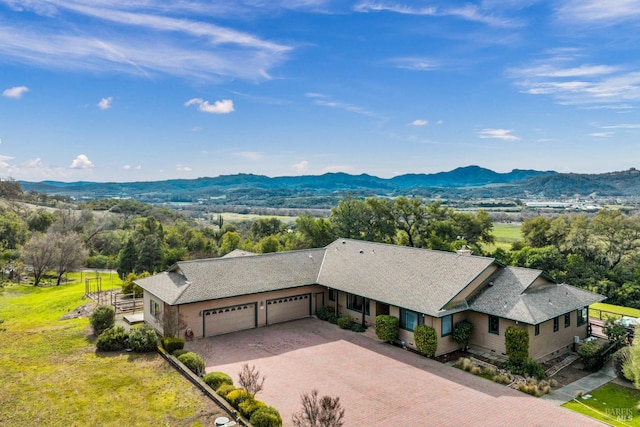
(120, 90)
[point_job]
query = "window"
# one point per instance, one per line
(556, 324)
(332, 294)
(355, 303)
(154, 308)
(536, 329)
(567, 320)
(447, 325)
(410, 319)
(494, 325)
(583, 315)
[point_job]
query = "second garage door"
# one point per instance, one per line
(229, 319)
(288, 308)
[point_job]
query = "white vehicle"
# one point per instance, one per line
(630, 324)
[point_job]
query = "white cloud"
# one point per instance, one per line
(440, 122)
(105, 103)
(181, 168)
(81, 162)
(623, 126)
(150, 38)
(598, 11)
(503, 134)
(250, 155)
(579, 84)
(126, 167)
(224, 106)
(415, 63)
(601, 134)
(324, 101)
(301, 167)
(467, 12)
(15, 92)
(419, 122)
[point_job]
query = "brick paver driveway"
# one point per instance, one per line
(378, 384)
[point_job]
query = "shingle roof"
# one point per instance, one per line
(207, 279)
(415, 279)
(512, 297)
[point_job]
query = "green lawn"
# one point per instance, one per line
(505, 234)
(602, 310)
(51, 374)
(611, 403)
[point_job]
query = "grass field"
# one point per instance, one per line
(51, 374)
(611, 403)
(505, 234)
(601, 310)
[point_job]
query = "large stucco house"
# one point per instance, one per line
(358, 278)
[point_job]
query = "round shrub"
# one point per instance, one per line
(620, 357)
(426, 339)
(216, 379)
(236, 397)
(344, 322)
(386, 327)
(323, 313)
(193, 361)
(172, 344)
(179, 352)
(333, 319)
(113, 339)
(249, 406)
(143, 339)
(103, 318)
(224, 389)
(266, 417)
(532, 368)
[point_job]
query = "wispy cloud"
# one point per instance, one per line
(325, 101)
(126, 37)
(105, 103)
(602, 134)
(579, 84)
(182, 168)
(81, 162)
(224, 106)
(415, 63)
(597, 11)
(467, 12)
(623, 126)
(419, 122)
(503, 134)
(15, 92)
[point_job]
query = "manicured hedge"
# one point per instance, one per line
(143, 339)
(102, 318)
(113, 339)
(386, 327)
(426, 339)
(193, 361)
(344, 322)
(216, 379)
(266, 417)
(516, 341)
(171, 344)
(249, 406)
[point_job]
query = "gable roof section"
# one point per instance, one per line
(415, 279)
(512, 296)
(208, 279)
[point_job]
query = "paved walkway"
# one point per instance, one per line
(378, 384)
(584, 385)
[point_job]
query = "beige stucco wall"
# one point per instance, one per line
(369, 319)
(546, 345)
(153, 321)
(192, 313)
(550, 344)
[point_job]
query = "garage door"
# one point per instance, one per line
(289, 308)
(229, 319)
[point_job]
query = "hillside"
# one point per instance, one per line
(325, 190)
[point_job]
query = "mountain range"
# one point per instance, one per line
(467, 182)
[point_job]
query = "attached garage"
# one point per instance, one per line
(229, 319)
(288, 308)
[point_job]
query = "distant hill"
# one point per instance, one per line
(324, 190)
